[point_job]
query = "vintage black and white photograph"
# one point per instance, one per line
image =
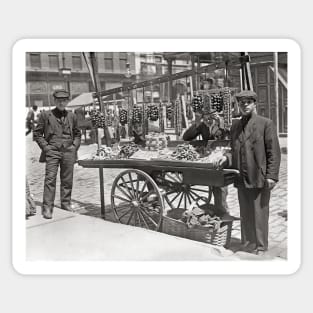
(157, 154)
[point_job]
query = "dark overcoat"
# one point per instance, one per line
(47, 126)
(258, 144)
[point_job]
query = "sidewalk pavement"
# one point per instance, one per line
(74, 237)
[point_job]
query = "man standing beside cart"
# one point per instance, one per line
(256, 154)
(209, 129)
(59, 138)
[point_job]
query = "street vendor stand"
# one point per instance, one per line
(145, 193)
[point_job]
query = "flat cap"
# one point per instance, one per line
(61, 94)
(247, 94)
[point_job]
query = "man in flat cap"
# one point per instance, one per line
(207, 125)
(58, 137)
(256, 154)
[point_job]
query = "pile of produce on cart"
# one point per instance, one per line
(156, 141)
(157, 149)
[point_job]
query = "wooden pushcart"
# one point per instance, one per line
(146, 189)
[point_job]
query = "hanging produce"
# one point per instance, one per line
(153, 113)
(98, 119)
(137, 115)
(197, 103)
(169, 111)
(123, 117)
(217, 102)
(227, 107)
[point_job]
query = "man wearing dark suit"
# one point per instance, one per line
(59, 138)
(256, 154)
(209, 129)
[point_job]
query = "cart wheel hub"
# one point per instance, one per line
(135, 204)
(185, 187)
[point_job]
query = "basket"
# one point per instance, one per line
(219, 237)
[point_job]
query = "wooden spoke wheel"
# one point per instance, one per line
(136, 200)
(180, 195)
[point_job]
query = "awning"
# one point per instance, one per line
(83, 99)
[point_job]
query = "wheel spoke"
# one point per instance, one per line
(137, 219)
(122, 191)
(185, 202)
(168, 202)
(143, 219)
(131, 184)
(125, 213)
(193, 193)
(126, 186)
(147, 195)
(201, 190)
(131, 217)
(180, 200)
(188, 196)
(121, 198)
(172, 200)
(149, 217)
(176, 178)
(137, 187)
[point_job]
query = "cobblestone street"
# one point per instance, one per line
(86, 196)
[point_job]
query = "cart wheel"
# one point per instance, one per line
(179, 195)
(136, 200)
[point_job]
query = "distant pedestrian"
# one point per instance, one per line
(256, 154)
(59, 138)
(30, 119)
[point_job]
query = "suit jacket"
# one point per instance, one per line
(260, 146)
(47, 126)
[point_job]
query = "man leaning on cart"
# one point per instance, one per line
(255, 152)
(207, 126)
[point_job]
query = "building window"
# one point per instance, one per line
(123, 64)
(123, 61)
(158, 59)
(108, 64)
(35, 60)
(77, 62)
(54, 62)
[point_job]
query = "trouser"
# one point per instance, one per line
(254, 213)
(220, 204)
(65, 158)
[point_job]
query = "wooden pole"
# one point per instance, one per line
(276, 89)
(98, 91)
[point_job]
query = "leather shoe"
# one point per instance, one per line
(67, 207)
(47, 214)
(260, 252)
(249, 247)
